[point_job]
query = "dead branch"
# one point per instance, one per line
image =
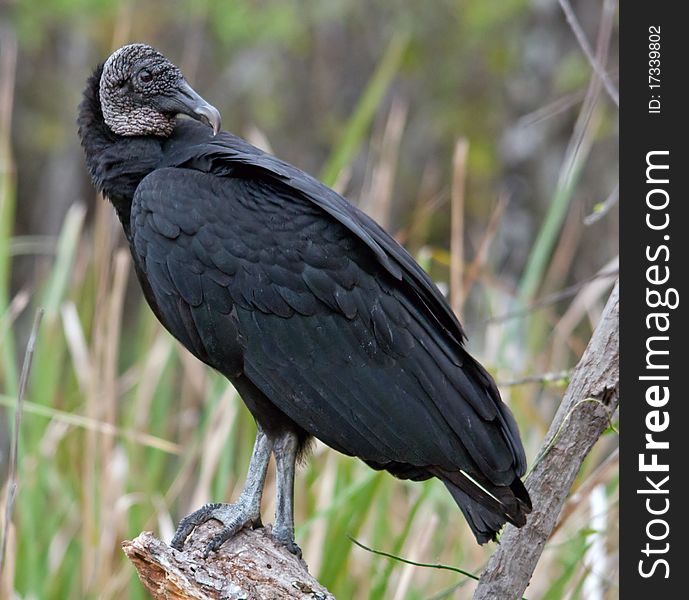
(589, 403)
(250, 566)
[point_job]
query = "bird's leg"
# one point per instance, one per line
(286, 448)
(247, 509)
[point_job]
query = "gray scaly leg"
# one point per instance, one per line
(285, 450)
(245, 512)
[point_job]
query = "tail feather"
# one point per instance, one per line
(488, 507)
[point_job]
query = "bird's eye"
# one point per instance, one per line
(145, 76)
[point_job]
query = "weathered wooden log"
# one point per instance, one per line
(250, 566)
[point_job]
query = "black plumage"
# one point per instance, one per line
(325, 325)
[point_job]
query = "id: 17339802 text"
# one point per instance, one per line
(654, 69)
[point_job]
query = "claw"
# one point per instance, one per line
(218, 540)
(190, 522)
(233, 516)
(294, 549)
(286, 538)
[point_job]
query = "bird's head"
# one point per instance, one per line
(141, 93)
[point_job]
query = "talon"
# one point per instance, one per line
(233, 516)
(218, 540)
(287, 540)
(295, 549)
(190, 522)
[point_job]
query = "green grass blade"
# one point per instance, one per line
(8, 366)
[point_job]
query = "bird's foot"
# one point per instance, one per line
(285, 536)
(233, 517)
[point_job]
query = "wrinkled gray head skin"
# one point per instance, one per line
(141, 93)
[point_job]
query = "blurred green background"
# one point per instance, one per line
(475, 131)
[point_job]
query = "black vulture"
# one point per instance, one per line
(323, 323)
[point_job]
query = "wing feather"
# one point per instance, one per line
(324, 312)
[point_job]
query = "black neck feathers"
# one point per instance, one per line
(117, 164)
(95, 135)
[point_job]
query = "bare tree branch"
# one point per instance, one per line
(249, 566)
(590, 400)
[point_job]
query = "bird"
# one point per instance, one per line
(323, 323)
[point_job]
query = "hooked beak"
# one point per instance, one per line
(188, 102)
